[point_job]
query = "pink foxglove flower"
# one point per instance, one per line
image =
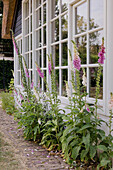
(49, 67)
(21, 96)
(101, 54)
(27, 72)
(15, 92)
(77, 60)
(32, 84)
(15, 46)
(41, 74)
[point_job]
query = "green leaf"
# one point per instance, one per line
(86, 140)
(102, 147)
(104, 162)
(111, 154)
(75, 152)
(83, 154)
(85, 127)
(92, 151)
(64, 146)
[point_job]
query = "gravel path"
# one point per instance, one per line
(30, 154)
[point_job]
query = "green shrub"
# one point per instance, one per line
(8, 103)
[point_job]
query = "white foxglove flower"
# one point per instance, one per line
(84, 79)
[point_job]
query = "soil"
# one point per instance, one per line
(17, 153)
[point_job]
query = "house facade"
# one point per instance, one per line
(44, 27)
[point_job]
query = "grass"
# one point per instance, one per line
(7, 158)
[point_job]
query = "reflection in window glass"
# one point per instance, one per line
(38, 38)
(44, 14)
(64, 21)
(95, 39)
(38, 18)
(81, 43)
(27, 60)
(81, 18)
(31, 60)
(64, 5)
(55, 8)
(45, 74)
(57, 79)
(64, 78)
(27, 44)
(55, 30)
(44, 57)
(31, 23)
(44, 35)
(96, 13)
(31, 6)
(55, 53)
(18, 78)
(92, 89)
(31, 41)
(64, 54)
(38, 3)
(39, 58)
(27, 26)
(27, 9)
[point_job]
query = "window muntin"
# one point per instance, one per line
(59, 41)
(88, 38)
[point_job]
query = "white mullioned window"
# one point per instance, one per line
(49, 26)
(17, 65)
(41, 40)
(88, 31)
(27, 36)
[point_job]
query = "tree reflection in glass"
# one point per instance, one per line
(64, 78)
(64, 5)
(81, 18)
(55, 30)
(55, 53)
(92, 79)
(95, 40)
(64, 54)
(55, 8)
(64, 20)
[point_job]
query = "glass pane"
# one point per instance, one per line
(44, 34)
(38, 18)
(64, 21)
(31, 61)
(57, 79)
(55, 8)
(27, 44)
(44, 58)
(64, 5)
(38, 38)
(44, 82)
(55, 53)
(81, 18)
(39, 58)
(27, 9)
(31, 41)
(96, 13)
(21, 47)
(64, 78)
(44, 14)
(92, 89)
(64, 54)
(31, 23)
(18, 78)
(27, 26)
(27, 60)
(18, 64)
(38, 3)
(81, 43)
(95, 39)
(31, 6)
(55, 30)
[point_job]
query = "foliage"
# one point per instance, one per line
(52, 130)
(8, 103)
